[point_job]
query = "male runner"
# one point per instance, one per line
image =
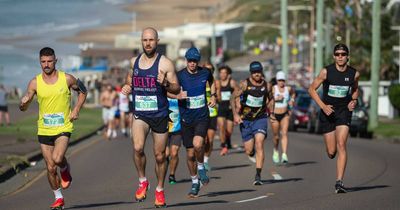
(151, 77)
(195, 115)
(108, 98)
(225, 115)
(249, 104)
(174, 136)
(55, 126)
(212, 125)
(284, 99)
(339, 98)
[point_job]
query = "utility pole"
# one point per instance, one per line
(213, 46)
(284, 26)
(375, 64)
(312, 29)
(319, 53)
(328, 28)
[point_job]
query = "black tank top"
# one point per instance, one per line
(337, 86)
(226, 92)
(253, 101)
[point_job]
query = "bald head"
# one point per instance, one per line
(149, 41)
(149, 31)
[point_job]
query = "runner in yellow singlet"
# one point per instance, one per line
(55, 123)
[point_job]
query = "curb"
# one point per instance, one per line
(36, 156)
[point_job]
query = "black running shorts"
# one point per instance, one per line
(195, 129)
(157, 124)
(340, 116)
(49, 140)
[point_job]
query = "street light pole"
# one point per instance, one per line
(375, 64)
(285, 50)
(319, 53)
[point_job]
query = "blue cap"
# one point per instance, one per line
(256, 66)
(193, 54)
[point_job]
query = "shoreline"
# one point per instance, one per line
(166, 15)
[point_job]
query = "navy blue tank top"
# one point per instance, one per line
(194, 108)
(149, 98)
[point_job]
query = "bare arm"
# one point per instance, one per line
(79, 87)
(213, 97)
(292, 96)
(355, 92)
(167, 76)
(127, 88)
(30, 93)
(218, 90)
(235, 100)
(328, 109)
(271, 99)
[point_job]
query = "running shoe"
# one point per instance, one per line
(257, 180)
(58, 204)
(66, 177)
(171, 179)
(224, 151)
(203, 176)
(284, 159)
(275, 156)
(207, 166)
(159, 199)
(339, 187)
(142, 190)
(194, 191)
(252, 157)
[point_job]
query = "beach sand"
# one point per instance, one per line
(158, 14)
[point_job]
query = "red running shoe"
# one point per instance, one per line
(141, 191)
(160, 199)
(66, 178)
(58, 204)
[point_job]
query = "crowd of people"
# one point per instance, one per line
(187, 107)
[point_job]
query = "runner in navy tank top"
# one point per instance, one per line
(340, 93)
(151, 77)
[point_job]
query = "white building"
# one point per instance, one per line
(174, 40)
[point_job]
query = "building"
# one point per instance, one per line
(175, 40)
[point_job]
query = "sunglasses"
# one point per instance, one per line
(192, 61)
(281, 80)
(340, 54)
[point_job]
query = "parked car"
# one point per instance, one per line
(299, 117)
(359, 120)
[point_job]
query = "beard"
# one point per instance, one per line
(48, 70)
(151, 53)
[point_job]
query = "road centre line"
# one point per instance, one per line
(252, 199)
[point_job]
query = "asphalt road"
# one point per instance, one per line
(104, 177)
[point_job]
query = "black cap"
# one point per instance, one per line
(341, 46)
(256, 66)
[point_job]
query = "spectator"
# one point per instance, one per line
(3, 106)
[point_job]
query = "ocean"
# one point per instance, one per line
(26, 26)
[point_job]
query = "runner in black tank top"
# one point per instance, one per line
(151, 77)
(340, 93)
(249, 105)
(225, 115)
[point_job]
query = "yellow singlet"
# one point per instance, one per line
(54, 106)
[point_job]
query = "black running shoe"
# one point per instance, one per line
(339, 187)
(171, 179)
(257, 180)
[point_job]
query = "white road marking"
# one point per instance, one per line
(277, 176)
(252, 199)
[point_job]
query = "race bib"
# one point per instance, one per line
(146, 103)
(195, 102)
(53, 120)
(225, 95)
(338, 91)
(253, 101)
